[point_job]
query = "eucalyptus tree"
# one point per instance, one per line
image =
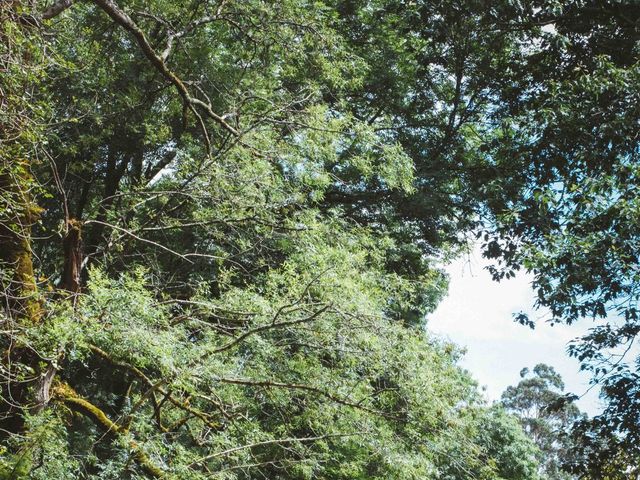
(547, 415)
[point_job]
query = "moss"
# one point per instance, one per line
(20, 212)
(204, 417)
(17, 467)
(64, 393)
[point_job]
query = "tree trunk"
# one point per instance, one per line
(18, 212)
(72, 246)
(20, 303)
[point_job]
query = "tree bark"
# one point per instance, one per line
(20, 302)
(72, 246)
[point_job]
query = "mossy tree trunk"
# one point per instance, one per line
(18, 213)
(21, 305)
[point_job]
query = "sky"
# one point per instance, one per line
(478, 314)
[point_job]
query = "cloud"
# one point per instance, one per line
(478, 314)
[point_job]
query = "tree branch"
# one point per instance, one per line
(57, 8)
(279, 441)
(144, 240)
(153, 387)
(122, 19)
(35, 20)
(270, 326)
(68, 396)
(307, 388)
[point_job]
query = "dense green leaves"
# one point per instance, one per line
(264, 190)
(315, 382)
(238, 319)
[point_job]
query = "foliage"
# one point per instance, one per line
(566, 207)
(216, 310)
(499, 430)
(321, 385)
(252, 200)
(547, 415)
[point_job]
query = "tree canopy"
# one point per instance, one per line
(547, 416)
(222, 225)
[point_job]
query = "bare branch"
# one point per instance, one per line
(272, 442)
(270, 326)
(133, 235)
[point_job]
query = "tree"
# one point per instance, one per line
(519, 460)
(547, 415)
(249, 201)
(429, 82)
(209, 309)
(22, 63)
(565, 208)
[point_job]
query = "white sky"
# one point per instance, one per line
(478, 314)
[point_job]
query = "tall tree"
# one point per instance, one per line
(547, 415)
